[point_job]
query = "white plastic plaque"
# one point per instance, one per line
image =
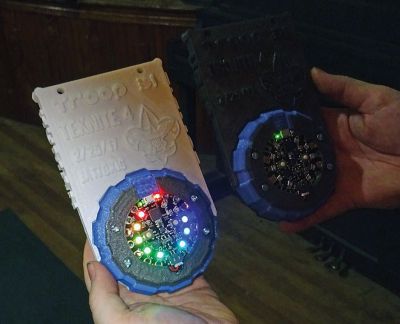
(105, 126)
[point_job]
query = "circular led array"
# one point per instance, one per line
(155, 231)
(293, 162)
(161, 230)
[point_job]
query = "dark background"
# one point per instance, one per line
(360, 39)
(44, 43)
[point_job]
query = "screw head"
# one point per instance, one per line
(206, 231)
(264, 187)
(329, 166)
(320, 137)
(194, 198)
(127, 262)
(254, 155)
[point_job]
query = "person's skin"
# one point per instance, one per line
(366, 136)
(113, 303)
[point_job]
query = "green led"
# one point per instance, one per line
(139, 203)
(138, 240)
(278, 136)
(147, 250)
(160, 254)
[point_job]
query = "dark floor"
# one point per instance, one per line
(263, 275)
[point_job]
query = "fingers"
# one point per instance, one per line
(104, 299)
(352, 93)
(88, 256)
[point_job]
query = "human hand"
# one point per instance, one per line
(366, 137)
(114, 303)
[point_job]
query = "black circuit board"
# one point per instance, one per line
(293, 162)
(161, 230)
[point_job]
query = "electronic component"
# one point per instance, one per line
(155, 230)
(272, 140)
(156, 233)
(280, 163)
(131, 172)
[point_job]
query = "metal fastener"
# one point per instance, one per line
(127, 262)
(329, 166)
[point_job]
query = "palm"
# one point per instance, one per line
(362, 171)
(197, 303)
(367, 147)
(182, 306)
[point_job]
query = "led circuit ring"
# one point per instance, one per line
(161, 229)
(155, 231)
(284, 165)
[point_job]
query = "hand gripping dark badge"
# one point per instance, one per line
(273, 143)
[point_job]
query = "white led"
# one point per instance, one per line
(185, 219)
(186, 231)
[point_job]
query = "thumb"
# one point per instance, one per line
(351, 93)
(104, 300)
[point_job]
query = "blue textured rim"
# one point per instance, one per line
(108, 200)
(281, 119)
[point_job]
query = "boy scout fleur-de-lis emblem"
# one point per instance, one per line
(154, 137)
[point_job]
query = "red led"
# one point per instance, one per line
(141, 214)
(156, 196)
